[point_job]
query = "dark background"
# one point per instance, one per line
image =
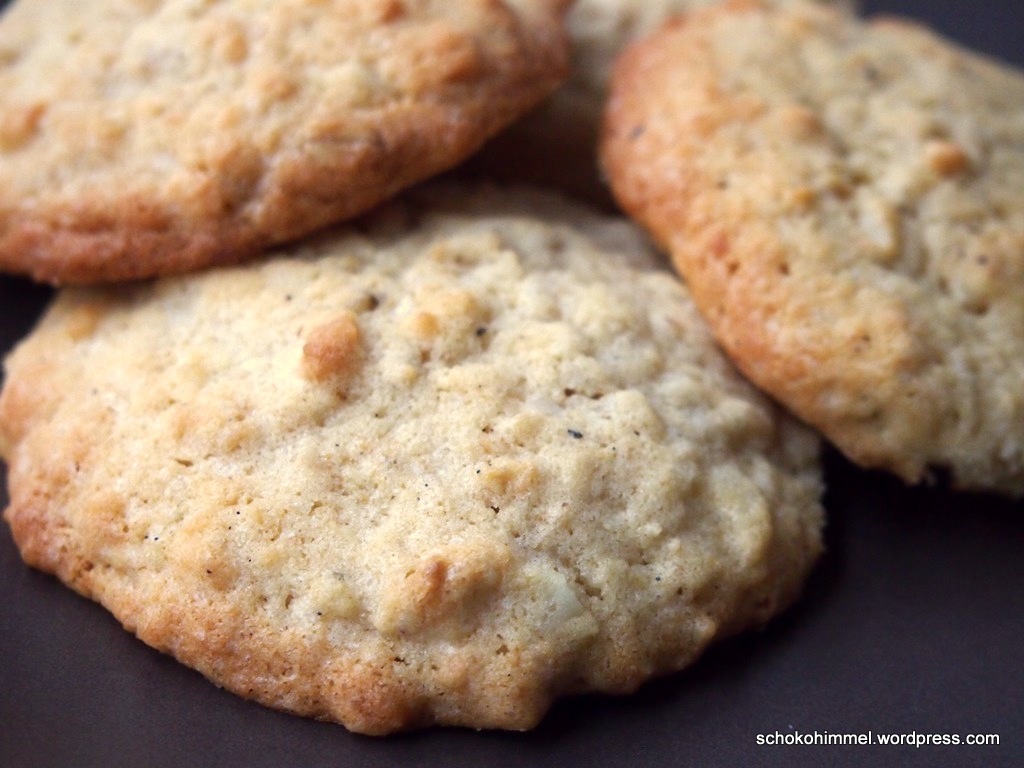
(912, 623)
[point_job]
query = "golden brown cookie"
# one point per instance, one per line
(146, 138)
(478, 453)
(845, 199)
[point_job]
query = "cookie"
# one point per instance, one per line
(474, 454)
(557, 144)
(845, 199)
(155, 138)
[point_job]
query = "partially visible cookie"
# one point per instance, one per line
(846, 202)
(475, 454)
(557, 144)
(148, 138)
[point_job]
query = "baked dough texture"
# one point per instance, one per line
(845, 199)
(146, 138)
(475, 453)
(557, 144)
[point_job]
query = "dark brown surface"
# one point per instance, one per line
(911, 624)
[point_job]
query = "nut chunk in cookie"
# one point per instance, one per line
(845, 199)
(475, 454)
(149, 138)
